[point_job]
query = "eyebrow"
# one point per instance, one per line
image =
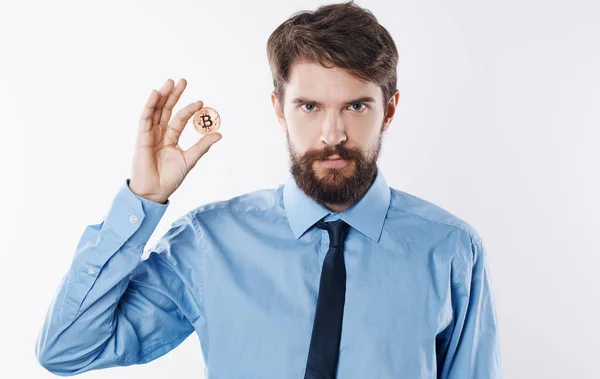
(303, 100)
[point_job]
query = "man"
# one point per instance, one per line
(334, 274)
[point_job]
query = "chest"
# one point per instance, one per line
(260, 302)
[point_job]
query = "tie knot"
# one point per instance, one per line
(337, 230)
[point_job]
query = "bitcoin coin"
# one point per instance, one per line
(207, 120)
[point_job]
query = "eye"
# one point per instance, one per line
(361, 109)
(308, 105)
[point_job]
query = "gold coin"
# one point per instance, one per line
(207, 120)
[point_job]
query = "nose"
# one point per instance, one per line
(332, 132)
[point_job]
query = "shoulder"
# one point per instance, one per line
(439, 229)
(259, 200)
(430, 215)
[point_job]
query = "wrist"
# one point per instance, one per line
(155, 198)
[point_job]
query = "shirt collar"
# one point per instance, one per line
(366, 215)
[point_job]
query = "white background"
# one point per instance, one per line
(498, 122)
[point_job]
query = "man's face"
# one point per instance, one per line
(328, 113)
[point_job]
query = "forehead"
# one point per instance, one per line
(335, 85)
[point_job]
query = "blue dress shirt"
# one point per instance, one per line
(243, 274)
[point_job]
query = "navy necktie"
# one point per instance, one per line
(325, 341)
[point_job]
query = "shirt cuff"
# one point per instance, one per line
(132, 217)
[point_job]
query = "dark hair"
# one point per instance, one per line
(344, 35)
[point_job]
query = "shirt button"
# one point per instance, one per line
(91, 270)
(133, 219)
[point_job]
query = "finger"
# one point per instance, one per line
(164, 93)
(194, 153)
(179, 122)
(145, 124)
(171, 101)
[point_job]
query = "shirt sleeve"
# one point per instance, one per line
(471, 347)
(112, 308)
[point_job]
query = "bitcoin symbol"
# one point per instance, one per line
(206, 121)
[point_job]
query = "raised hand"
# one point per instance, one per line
(159, 164)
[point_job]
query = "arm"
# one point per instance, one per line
(112, 308)
(472, 347)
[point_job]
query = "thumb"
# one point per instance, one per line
(197, 150)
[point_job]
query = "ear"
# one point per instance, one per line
(390, 110)
(278, 111)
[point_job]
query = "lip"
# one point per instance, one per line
(334, 163)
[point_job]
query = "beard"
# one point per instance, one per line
(335, 186)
